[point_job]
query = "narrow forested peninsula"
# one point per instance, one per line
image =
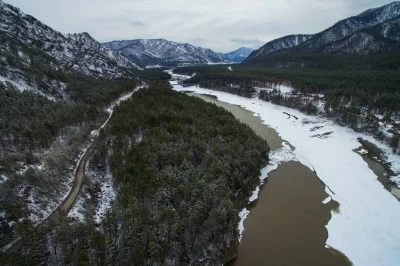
(183, 169)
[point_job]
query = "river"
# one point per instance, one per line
(364, 225)
(289, 216)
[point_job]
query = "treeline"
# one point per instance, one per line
(29, 121)
(352, 98)
(299, 58)
(183, 169)
(306, 80)
(376, 92)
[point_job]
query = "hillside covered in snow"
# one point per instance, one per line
(375, 32)
(155, 52)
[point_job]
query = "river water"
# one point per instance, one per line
(286, 226)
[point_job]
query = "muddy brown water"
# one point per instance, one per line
(247, 117)
(286, 226)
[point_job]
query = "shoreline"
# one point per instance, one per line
(281, 154)
(365, 206)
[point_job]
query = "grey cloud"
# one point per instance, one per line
(221, 25)
(138, 23)
(249, 42)
(198, 41)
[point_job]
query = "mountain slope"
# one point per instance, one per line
(238, 55)
(374, 32)
(382, 37)
(351, 25)
(163, 52)
(35, 57)
(279, 44)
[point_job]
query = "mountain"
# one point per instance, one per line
(238, 55)
(279, 44)
(382, 37)
(34, 56)
(373, 31)
(150, 52)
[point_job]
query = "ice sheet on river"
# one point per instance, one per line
(367, 228)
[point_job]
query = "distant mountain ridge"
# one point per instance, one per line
(150, 52)
(238, 55)
(373, 31)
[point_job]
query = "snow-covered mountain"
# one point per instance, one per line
(279, 44)
(28, 47)
(150, 52)
(238, 55)
(382, 37)
(349, 26)
(375, 30)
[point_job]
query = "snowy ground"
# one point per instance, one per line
(23, 86)
(367, 228)
(106, 197)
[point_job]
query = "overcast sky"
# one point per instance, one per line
(222, 25)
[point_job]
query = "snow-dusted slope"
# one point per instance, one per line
(382, 37)
(351, 25)
(75, 52)
(238, 55)
(279, 44)
(147, 52)
(375, 30)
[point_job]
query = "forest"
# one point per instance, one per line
(183, 169)
(350, 97)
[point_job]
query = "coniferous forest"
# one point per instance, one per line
(351, 97)
(183, 170)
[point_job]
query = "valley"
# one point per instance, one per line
(135, 144)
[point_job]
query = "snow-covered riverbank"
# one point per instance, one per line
(276, 157)
(367, 228)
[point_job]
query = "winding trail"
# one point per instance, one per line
(79, 174)
(69, 201)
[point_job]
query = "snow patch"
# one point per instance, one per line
(76, 212)
(362, 151)
(3, 178)
(327, 200)
(285, 89)
(107, 196)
